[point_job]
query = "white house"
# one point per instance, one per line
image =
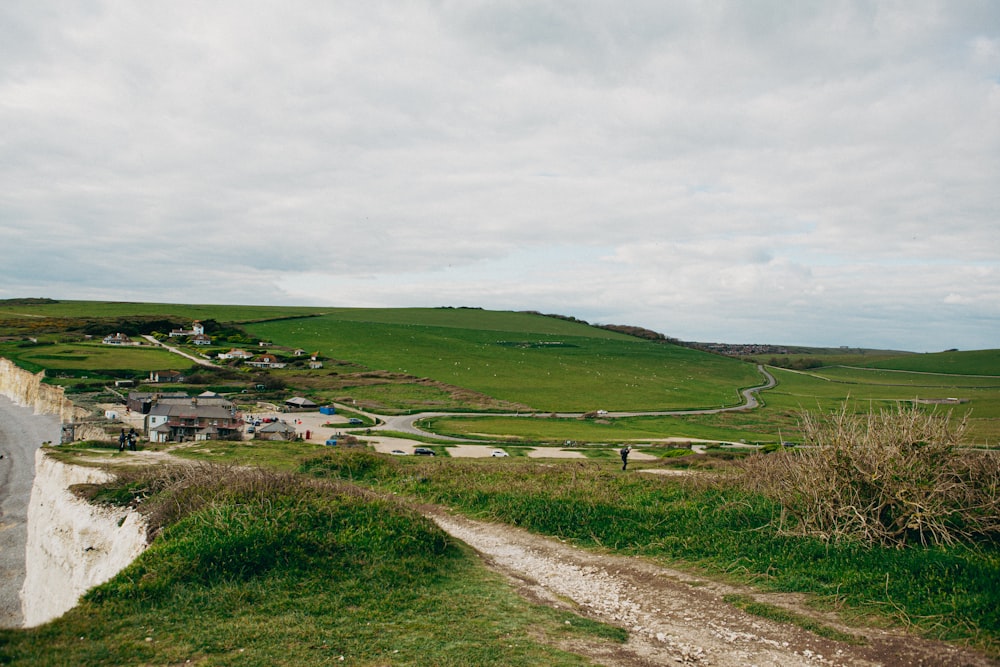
(117, 339)
(234, 353)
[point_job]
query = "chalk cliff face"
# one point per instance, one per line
(27, 390)
(72, 545)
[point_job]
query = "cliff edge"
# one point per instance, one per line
(72, 545)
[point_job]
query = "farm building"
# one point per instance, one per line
(300, 403)
(278, 430)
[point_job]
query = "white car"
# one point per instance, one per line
(398, 452)
(499, 452)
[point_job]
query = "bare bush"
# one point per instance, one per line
(892, 478)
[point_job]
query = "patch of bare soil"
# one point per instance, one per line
(674, 618)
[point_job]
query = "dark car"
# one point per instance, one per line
(423, 451)
(354, 421)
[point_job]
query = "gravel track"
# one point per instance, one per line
(674, 618)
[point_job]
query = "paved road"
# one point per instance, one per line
(406, 423)
(198, 360)
(21, 433)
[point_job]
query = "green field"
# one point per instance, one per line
(542, 363)
(975, 362)
(258, 569)
(234, 553)
(118, 309)
(622, 429)
(472, 360)
(83, 357)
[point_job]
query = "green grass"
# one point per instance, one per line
(541, 363)
(623, 429)
(115, 309)
(748, 604)
(974, 362)
(827, 389)
(277, 571)
(471, 360)
(946, 593)
(80, 357)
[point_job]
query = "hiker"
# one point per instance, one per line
(131, 439)
(121, 441)
(625, 450)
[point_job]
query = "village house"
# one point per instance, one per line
(278, 430)
(266, 361)
(117, 339)
(197, 329)
(193, 419)
(156, 377)
(200, 339)
(235, 353)
(140, 401)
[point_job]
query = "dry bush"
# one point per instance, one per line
(892, 478)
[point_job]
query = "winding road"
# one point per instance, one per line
(407, 423)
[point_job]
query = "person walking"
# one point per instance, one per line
(131, 439)
(121, 441)
(625, 450)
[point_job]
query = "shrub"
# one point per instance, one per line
(891, 478)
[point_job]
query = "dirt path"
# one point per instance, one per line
(674, 618)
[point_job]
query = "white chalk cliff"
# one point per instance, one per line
(72, 545)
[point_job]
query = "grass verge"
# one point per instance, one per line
(948, 593)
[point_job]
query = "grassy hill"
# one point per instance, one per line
(542, 363)
(468, 359)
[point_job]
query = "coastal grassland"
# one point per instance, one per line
(77, 310)
(971, 362)
(260, 568)
(905, 380)
(713, 527)
(81, 357)
(609, 430)
(544, 363)
(826, 390)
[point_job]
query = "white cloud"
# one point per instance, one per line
(818, 174)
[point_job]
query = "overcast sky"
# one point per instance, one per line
(816, 173)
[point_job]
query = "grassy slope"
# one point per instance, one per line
(948, 593)
(280, 572)
(114, 309)
(545, 363)
(96, 356)
(975, 362)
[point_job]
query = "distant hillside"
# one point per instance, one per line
(973, 362)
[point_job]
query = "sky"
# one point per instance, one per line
(801, 173)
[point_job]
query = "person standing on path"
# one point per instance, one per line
(625, 450)
(121, 441)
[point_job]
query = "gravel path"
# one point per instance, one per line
(21, 433)
(674, 618)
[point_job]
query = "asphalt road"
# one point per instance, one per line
(21, 433)
(406, 423)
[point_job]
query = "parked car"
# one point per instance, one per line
(355, 421)
(398, 452)
(499, 452)
(423, 451)
(251, 429)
